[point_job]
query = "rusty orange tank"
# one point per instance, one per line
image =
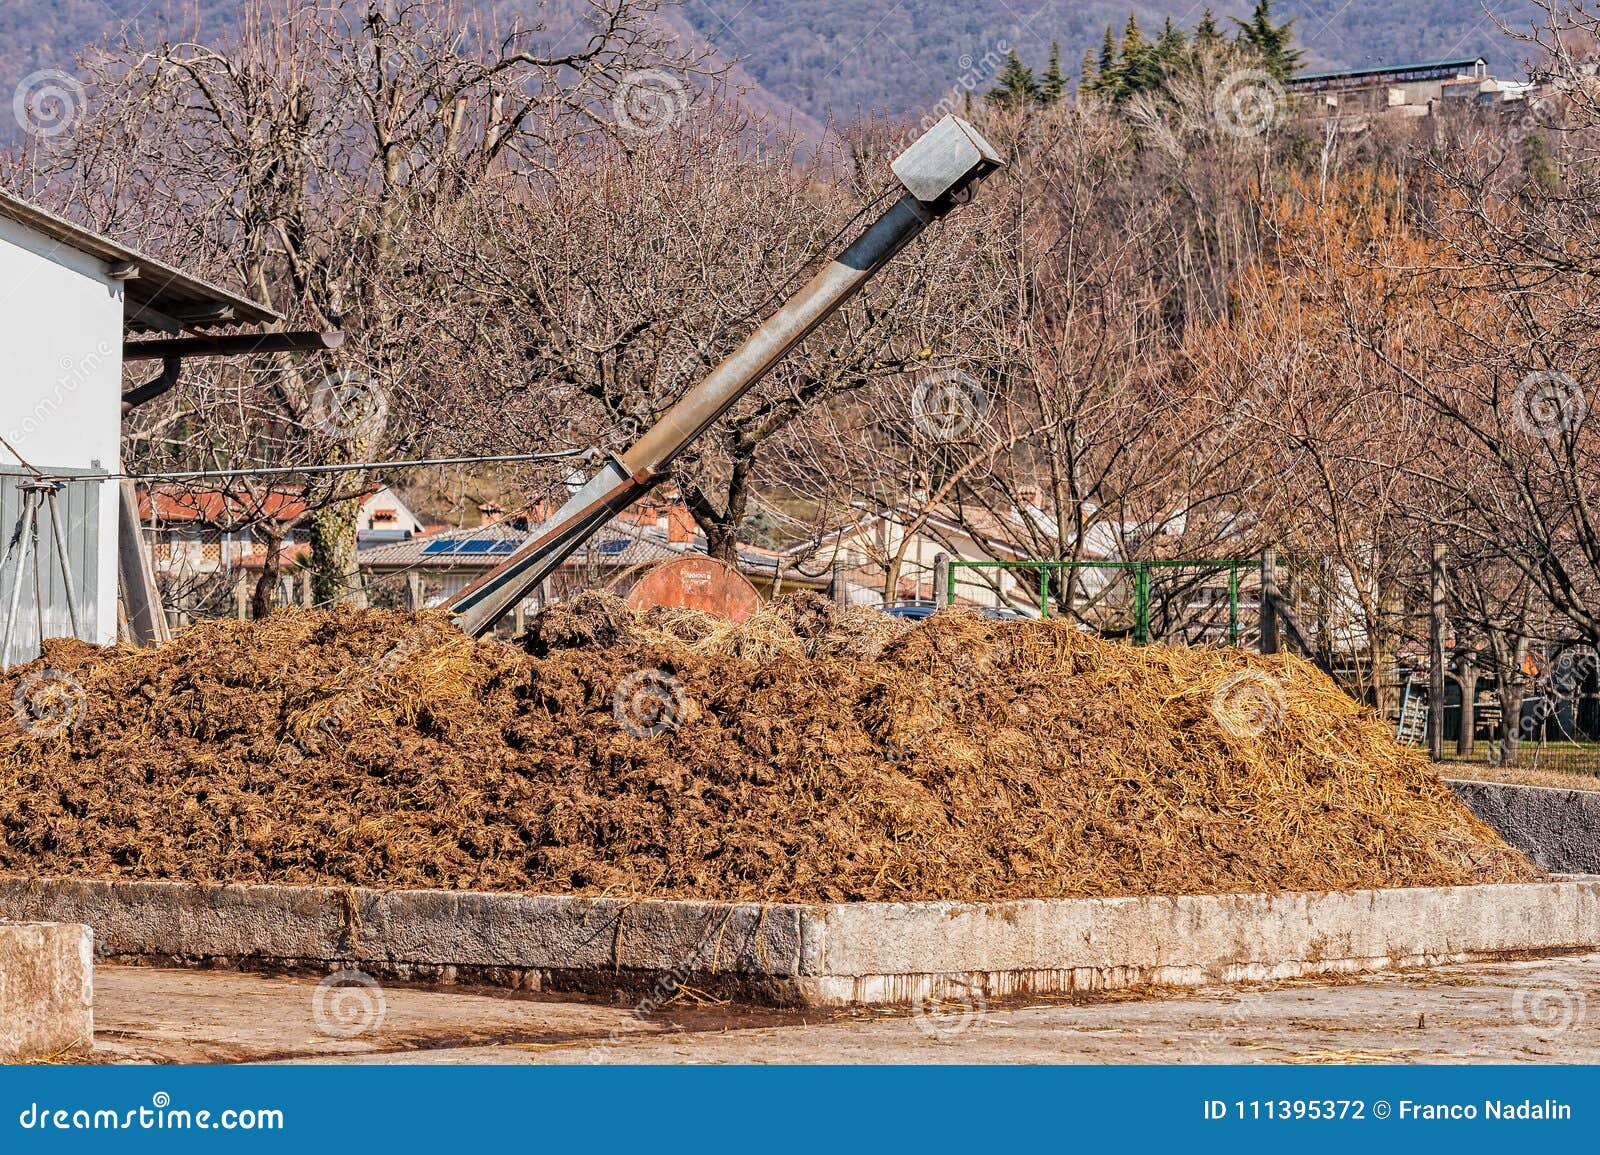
(697, 583)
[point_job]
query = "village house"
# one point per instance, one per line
(1350, 99)
(76, 307)
(907, 537)
(428, 570)
(197, 533)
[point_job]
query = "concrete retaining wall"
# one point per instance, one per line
(1558, 829)
(817, 954)
(46, 990)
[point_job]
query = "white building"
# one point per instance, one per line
(69, 299)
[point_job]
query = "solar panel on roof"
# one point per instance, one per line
(476, 546)
(616, 545)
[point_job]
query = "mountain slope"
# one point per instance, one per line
(848, 56)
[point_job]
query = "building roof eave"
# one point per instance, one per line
(150, 286)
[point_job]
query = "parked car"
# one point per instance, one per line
(917, 610)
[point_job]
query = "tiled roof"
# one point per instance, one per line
(620, 546)
(214, 507)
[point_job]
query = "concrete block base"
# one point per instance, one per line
(1557, 829)
(46, 990)
(816, 955)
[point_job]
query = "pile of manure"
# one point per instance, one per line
(810, 754)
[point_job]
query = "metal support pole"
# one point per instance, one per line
(1269, 601)
(22, 540)
(937, 171)
(62, 561)
(38, 590)
(1436, 628)
(1141, 605)
(1233, 604)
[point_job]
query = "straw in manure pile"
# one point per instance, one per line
(811, 754)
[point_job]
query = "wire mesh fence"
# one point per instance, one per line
(1377, 646)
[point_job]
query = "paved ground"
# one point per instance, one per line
(1543, 1011)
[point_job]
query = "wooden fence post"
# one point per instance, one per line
(141, 597)
(1467, 675)
(941, 579)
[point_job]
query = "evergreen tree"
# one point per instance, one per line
(1136, 62)
(1206, 33)
(1274, 43)
(1015, 87)
(1089, 77)
(1054, 84)
(1106, 76)
(1171, 48)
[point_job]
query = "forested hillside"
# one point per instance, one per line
(846, 56)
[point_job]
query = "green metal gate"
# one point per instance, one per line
(1127, 591)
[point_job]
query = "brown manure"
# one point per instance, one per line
(811, 754)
